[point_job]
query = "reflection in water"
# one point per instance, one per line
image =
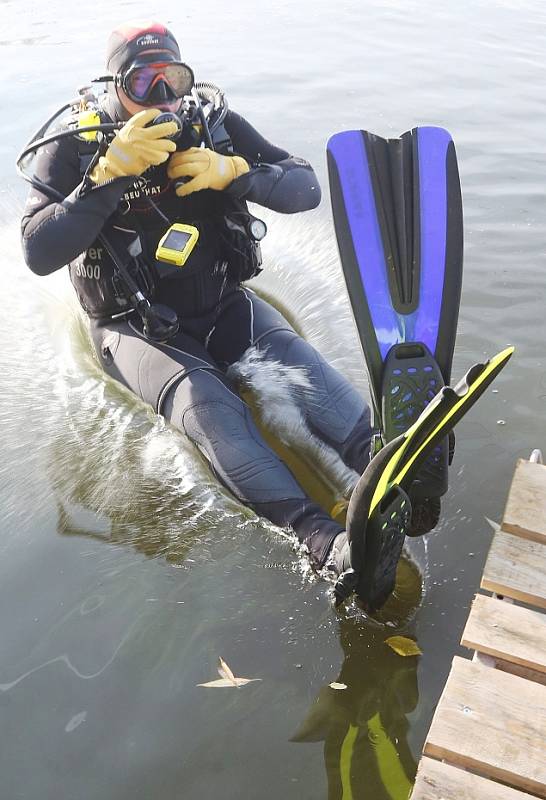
(364, 727)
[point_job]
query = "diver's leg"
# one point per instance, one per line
(181, 381)
(332, 408)
(204, 406)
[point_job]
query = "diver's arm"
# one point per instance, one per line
(54, 232)
(276, 179)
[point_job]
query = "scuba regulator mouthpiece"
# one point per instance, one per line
(188, 133)
(170, 116)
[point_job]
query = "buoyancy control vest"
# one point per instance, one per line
(224, 255)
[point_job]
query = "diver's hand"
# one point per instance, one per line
(206, 168)
(136, 147)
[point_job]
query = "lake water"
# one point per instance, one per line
(125, 570)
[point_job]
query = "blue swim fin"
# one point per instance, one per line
(398, 219)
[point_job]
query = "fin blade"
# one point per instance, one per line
(398, 218)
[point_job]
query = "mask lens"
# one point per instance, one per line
(141, 80)
(180, 78)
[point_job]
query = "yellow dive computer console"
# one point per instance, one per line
(176, 245)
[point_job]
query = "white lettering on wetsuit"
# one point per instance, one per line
(137, 193)
(86, 270)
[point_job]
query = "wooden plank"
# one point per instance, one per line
(525, 513)
(522, 672)
(493, 724)
(507, 632)
(438, 781)
(516, 567)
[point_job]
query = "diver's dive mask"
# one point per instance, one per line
(150, 82)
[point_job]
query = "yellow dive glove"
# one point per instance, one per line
(135, 147)
(206, 168)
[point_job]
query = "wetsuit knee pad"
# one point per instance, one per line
(220, 424)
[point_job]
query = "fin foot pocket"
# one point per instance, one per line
(380, 510)
(385, 534)
(411, 379)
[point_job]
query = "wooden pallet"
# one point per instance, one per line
(487, 740)
(439, 781)
(514, 636)
(525, 513)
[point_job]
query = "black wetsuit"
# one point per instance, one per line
(220, 320)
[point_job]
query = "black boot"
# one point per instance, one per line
(339, 557)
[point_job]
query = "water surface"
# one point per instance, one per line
(125, 570)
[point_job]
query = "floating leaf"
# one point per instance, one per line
(231, 683)
(404, 646)
(338, 686)
(227, 678)
(225, 672)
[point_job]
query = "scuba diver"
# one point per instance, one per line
(169, 313)
(144, 195)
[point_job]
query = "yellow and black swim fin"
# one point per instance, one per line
(379, 513)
